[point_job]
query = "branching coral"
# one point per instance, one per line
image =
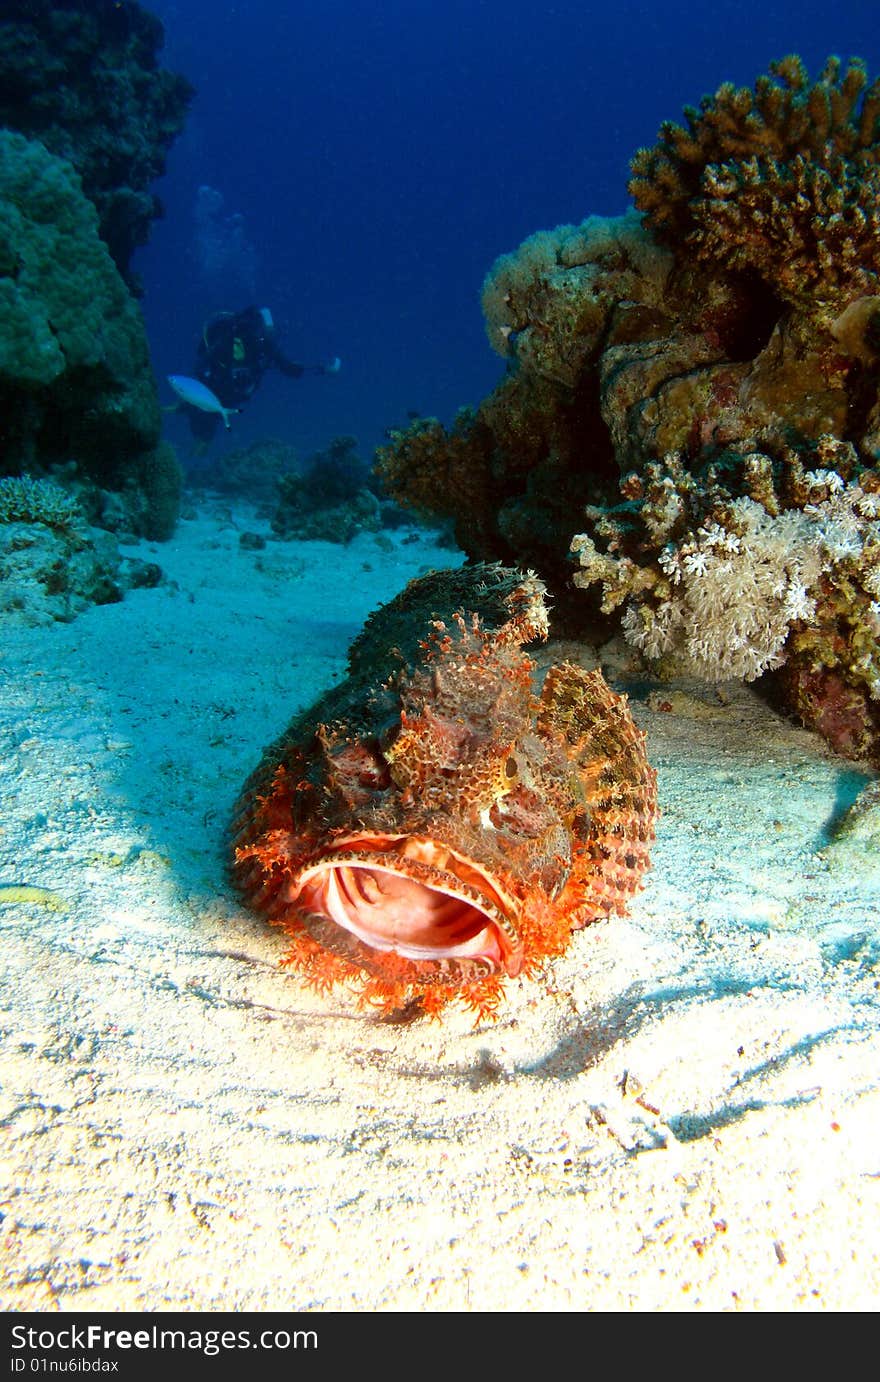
(23, 500)
(781, 118)
(782, 180)
(812, 231)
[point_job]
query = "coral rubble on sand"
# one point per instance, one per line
(693, 403)
(53, 564)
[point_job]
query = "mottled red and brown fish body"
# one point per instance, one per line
(434, 827)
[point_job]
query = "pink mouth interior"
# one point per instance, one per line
(432, 917)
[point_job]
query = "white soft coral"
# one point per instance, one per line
(736, 592)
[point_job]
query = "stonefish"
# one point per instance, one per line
(434, 826)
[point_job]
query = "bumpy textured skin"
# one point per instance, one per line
(547, 802)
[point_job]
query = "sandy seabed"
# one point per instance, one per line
(682, 1114)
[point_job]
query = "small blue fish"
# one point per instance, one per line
(198, 395)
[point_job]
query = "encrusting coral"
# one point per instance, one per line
(693, 399)
(433, 826)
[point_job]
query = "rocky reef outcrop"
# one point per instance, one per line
(84, 79)
(331, 497)
(689, 429)
(77, 393)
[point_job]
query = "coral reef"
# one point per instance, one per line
(75, 374)
(432, 826)
(332, 497)
(83, 78)
(513, 474)
(89, 118)
(253, 471)
(510, 477)
(693, 398)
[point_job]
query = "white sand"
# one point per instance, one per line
(682, 1115)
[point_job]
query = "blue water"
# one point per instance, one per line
(374, 159)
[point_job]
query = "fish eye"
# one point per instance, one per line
(510, 769)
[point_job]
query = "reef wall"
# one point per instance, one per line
(689, 429)
(77, 392)
(84, 79)
(88, 116)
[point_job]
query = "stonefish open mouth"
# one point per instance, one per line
(415, 898)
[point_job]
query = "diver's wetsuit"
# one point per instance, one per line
(234, 353)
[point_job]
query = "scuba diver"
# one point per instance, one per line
(234, 353)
